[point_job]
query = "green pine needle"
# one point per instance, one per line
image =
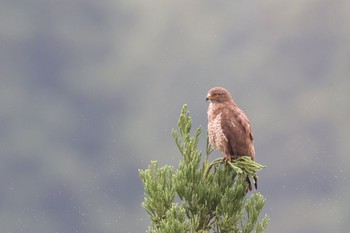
(197, 198)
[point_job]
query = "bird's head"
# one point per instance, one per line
(219, 95)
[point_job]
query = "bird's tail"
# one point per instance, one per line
(250, 183)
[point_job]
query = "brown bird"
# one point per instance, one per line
(229, 129)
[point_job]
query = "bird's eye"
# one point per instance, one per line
(216, 95)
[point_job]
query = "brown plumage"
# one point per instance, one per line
(229, 129)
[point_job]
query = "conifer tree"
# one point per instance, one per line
(200, 196)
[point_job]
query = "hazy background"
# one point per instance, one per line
(90, 90)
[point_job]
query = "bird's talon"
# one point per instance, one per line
(227, 159)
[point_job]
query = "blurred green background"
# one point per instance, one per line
(90, 91)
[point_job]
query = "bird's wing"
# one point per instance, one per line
(236, 127)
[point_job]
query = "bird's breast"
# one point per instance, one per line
(216, 136)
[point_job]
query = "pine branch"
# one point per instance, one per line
(212, 195)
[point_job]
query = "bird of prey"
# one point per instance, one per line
(229, 129)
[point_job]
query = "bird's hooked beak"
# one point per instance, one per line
(209, 97)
